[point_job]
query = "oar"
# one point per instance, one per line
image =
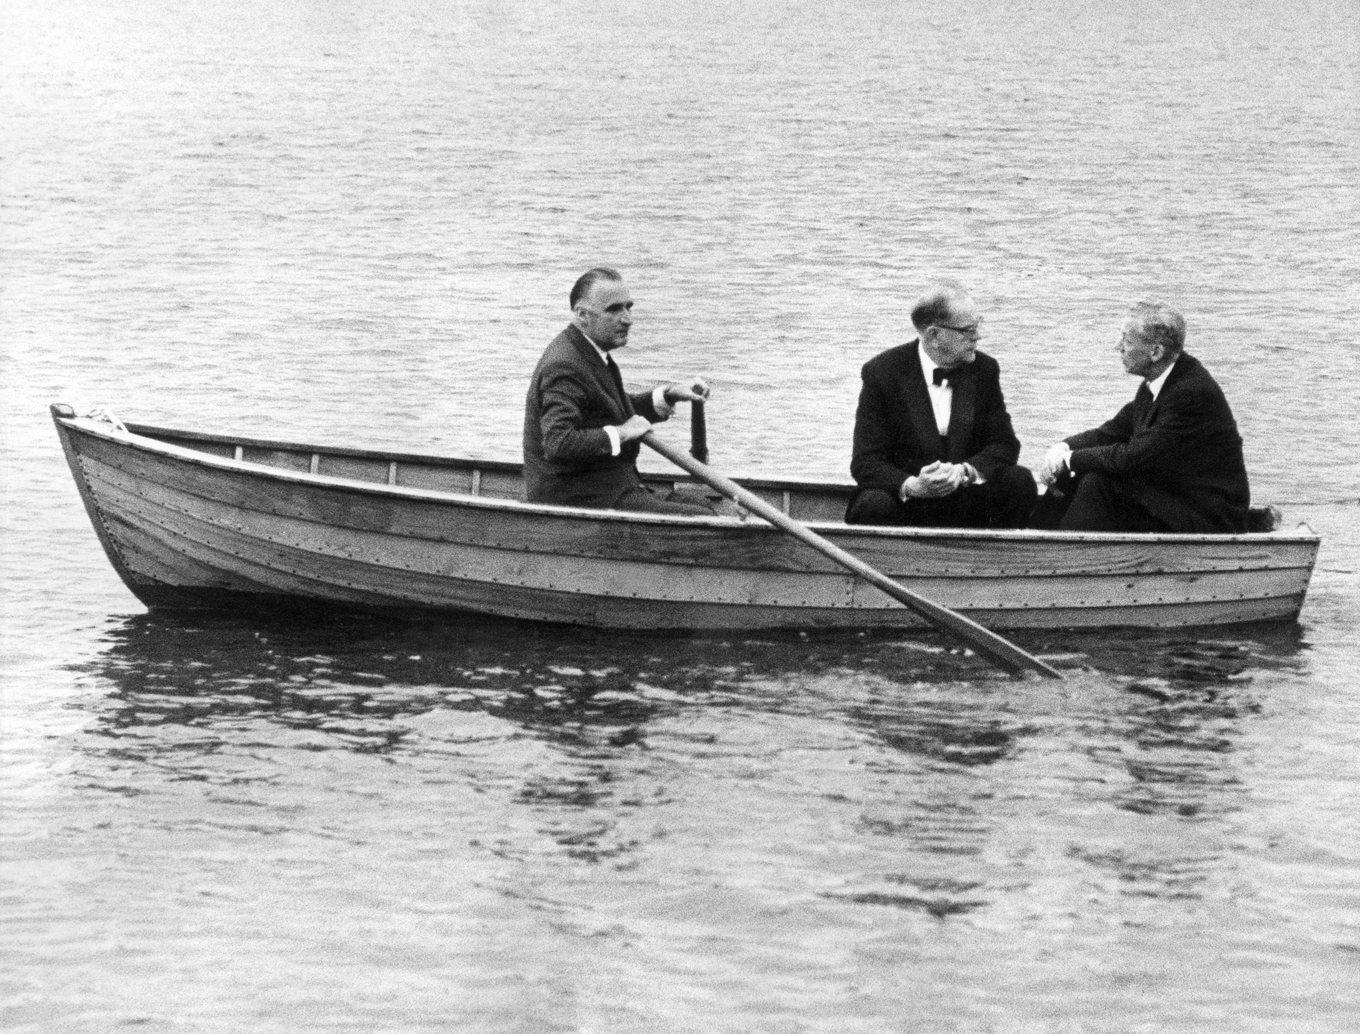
(1002, 651)
(698, 431)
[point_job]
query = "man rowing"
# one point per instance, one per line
(581, 426)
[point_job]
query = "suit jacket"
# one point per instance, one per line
(1180, 452)
(895, 430)
(571, 398)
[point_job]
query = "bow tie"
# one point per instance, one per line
(940, 376)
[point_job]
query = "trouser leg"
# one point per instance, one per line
(1102, 503)
(1008, 498)
(642, 500)
(965, 508)
(875, 506)
(1002, 502)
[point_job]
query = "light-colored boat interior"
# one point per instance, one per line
(803, 500)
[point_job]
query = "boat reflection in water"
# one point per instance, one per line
(941, 791)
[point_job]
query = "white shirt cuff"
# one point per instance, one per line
(615, 445)
(659, 403)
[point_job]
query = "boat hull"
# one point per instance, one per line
(206, 521)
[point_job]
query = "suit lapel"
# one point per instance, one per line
(599, 370)
(962, 409)
(1185, 364)
(1146, 404)
(918, 406)
(615, 378)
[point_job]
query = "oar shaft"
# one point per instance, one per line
(1003, 651)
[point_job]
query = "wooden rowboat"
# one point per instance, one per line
(192, 520)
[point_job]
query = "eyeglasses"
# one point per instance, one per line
(970, 331)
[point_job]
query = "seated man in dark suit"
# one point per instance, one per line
(581, 427)
(933, 443)
(1170, 460)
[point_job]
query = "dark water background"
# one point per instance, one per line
(357, 223)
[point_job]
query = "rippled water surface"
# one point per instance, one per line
(358, 222)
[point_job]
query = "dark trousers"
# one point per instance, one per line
(686, 502)
(1003, 501)
(1095, 502)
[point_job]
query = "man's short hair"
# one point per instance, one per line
(1159, 324)
(589, 279)
(936, 305)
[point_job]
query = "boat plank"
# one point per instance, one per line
(195, 527)
(151, 565)
(234, 531)
(435, 479)
(354, 468)
(655, 581)
(294, 573)
(283, 459)
(535, 530)
(224, 444)
(234, 571)
(611, 612)
(705, 544)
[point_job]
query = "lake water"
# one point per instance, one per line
(358, 223)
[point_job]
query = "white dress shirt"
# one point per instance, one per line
(1155, 386)
(659, 403)
(942, 402)
(941, 395)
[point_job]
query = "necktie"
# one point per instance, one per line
(942, 376)
(616, 377)
(1144, 401)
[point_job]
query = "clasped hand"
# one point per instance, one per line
(937, 479)
(1054, 462)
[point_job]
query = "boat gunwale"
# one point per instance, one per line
(136, 437)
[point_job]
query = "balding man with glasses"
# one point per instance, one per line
(934, 446)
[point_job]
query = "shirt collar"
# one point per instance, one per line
(928, 367)
(604, 356)
(1155, 386)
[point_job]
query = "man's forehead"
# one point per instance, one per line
(604, 293)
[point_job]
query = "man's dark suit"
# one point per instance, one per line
(571, 398)
(1176, 458)
(896, 435)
